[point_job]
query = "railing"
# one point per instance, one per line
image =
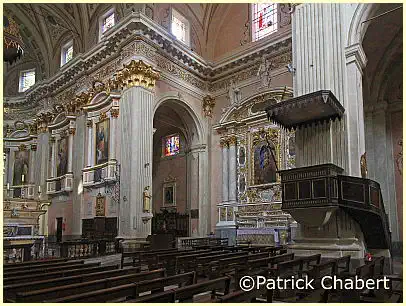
(188, 243)
(50, 249)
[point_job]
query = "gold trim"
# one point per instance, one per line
(114, 112)
(232, 140)
(136, 73)
(208, 104)
(273, 135)
(22, 147)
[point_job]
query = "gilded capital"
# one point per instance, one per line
(89, 123)
(33, 147)
(136, 73)
(232, 140)
(102, 116)
(114, 112)
(223, 143)
(208, 104)
(22, 147)
(72, 131)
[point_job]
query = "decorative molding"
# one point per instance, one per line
(208, 104)
(114, 112)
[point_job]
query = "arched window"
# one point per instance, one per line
(171, 145)
(264, 20)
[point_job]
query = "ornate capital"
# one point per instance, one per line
(89, 123)
(114, 112)
(136, 73)
(223, 143)
(33, 128)
(52, 139)
(102, 116)
(72, 131)
(33, 147)
(6, 150)
(208, 104)
(232, 140)
(22, 147)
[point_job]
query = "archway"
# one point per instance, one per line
(179, 159)
(382, 100)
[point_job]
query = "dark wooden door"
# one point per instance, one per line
(59, 229)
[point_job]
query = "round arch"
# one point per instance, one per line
(357, 28)
(193, 120)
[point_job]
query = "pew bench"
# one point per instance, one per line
(89, 286)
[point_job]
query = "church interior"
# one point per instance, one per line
(160, 152)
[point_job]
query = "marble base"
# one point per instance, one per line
(227, 230)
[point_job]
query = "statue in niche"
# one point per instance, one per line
(264, 73)
(234, 93)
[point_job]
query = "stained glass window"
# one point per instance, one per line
(27, 79)
(108, 22)
(171, 145)
(264, 20)
(180, 27)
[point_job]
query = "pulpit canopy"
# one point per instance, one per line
(315, 107)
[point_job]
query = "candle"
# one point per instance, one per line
(39, 189)
(22, 179)
(8, 186)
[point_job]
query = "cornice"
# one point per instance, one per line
(156, 44)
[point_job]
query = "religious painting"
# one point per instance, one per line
(21, 165)
(265, 165)
(169, 194)
(62, 157)
(102, 141)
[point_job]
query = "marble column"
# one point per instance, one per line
(232, 176)
(42, 163)
(224, 146)
(53, 142)
(71, 133)
(31, 180)
(113, 124)
(136, 124)
(89, 125)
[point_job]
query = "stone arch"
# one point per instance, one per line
(194, 119)
(357, 28)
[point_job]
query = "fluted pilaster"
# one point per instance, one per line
(232, 176)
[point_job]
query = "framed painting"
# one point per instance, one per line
(169, 194)
(265, 159)
(102, 141)
(21, 166)
(62, 157)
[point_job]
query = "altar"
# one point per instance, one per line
(253, 151)
(23, 229)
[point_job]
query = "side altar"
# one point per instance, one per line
(24, 229)
(253, 150)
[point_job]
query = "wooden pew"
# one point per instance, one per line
(44, 270)
(187, 293)
(7, 270)
(83, 287)
(241, 296)
(33, 263)
(95, 268)
(186, 263)
(168, 260)
(124, 291)
(10, 291)
(135, 256)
